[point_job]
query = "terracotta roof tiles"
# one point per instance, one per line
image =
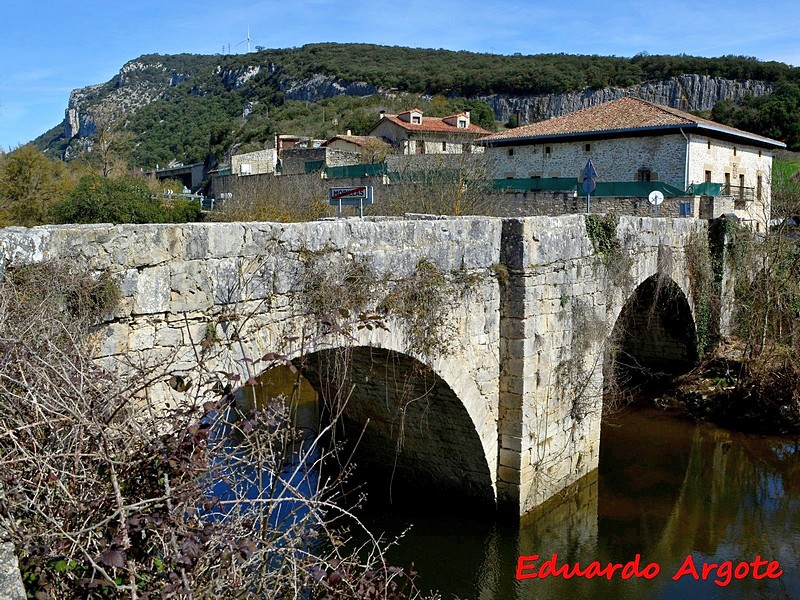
(436, 125)
(626, 114)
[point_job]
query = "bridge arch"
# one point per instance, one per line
(654, 335)
(425, 429)
(406, 426)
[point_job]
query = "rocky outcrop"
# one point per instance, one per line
(686, 92)
(235, 79)
(137, 84)
(319, 87)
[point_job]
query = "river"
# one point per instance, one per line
(666, 489)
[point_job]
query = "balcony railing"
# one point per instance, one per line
(741, 194)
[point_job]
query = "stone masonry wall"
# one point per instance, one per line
(525, 351)
(557, 311)
(664, 156)
(184, 285)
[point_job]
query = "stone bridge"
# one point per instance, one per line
(487, 380)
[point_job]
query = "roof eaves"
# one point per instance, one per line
(743, 134)
(630, 130)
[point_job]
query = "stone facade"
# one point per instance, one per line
(293, 161)
(254, 163)
(514, 405)
(615, 159)
(673, 159)
(744, 170)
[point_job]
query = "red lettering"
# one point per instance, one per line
(738, 573)
(631, 568)
(525, 563)
(771, 569)
(758, 562)
(687, 568)
(724, 571)
(611, 568)
(707, 568)
(549, 568)
(576, 570)
(651, 570)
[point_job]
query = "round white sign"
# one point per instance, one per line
(655, 198)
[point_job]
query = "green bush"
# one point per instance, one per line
(121, 200)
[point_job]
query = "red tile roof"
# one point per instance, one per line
(436, 125)
(626, 115)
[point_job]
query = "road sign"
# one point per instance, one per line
(655, 198)
(589, 172)
(589, 175)
(352, 196)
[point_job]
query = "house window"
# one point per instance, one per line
(444, 146)
(416, 119)
(759, 184)
(727, 190)
(466, 148)
(759, 154)
(547, 150)
(709, 143)
(708, 176)
(462, 123)
(420, 147)
(587, 147)
(734, 150)
(511, 152)
(643, 175)
(740, 197)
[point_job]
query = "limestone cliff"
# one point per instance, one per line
(686, 92)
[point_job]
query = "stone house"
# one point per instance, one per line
(254, 163)
(720, 169)
(413, 133)
(369, 148)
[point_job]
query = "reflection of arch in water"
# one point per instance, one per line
(411, 435)
(654, 336)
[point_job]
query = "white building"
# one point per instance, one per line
(631, 140)
(413, 133)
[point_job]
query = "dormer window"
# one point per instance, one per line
(413, 116)
(462, 123)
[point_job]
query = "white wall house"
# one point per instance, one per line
(413, 133)
(631, 140)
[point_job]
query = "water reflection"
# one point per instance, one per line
(280, 471)
(665, 489)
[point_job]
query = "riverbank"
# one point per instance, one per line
(729, 391)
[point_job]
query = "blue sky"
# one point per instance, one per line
(49, 48)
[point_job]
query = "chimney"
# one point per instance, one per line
(383, 113)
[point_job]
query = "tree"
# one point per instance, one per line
(30, 183)
(99, 200)
(112, 145)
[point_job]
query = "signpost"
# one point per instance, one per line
(589, 182)
(352, 196)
